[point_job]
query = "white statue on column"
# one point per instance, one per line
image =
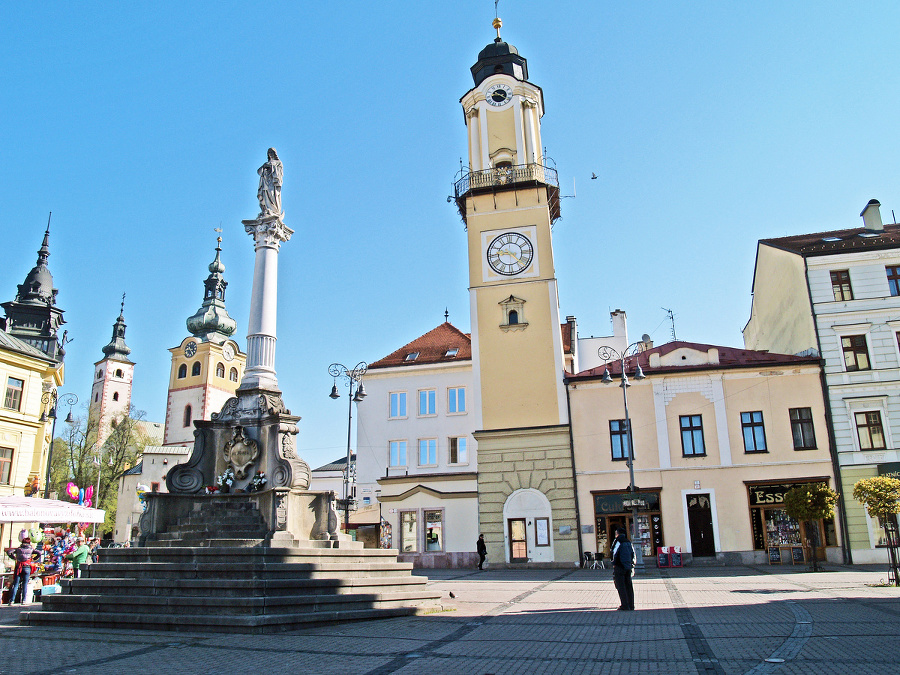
(269, 194)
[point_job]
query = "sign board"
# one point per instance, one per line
(797, 554)
(774, 555)
(675, 556)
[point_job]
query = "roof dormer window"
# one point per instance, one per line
(453, 351)
(412, 356)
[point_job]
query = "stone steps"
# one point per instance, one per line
(155, 570)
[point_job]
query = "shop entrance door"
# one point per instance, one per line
(701, 526)
(518, 544)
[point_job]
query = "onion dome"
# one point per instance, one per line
(499, 57)
(117, 349)
(211, 322)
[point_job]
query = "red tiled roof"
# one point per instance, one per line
(842, 241)
(432, 348)
(729, 357)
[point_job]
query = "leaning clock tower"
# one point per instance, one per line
(509, 199)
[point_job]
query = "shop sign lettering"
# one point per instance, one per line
(761, 495)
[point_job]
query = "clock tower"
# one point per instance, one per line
(509, 199)
(207, 366)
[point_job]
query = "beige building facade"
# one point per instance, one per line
(719, 435)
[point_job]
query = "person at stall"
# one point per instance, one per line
(22, 574)
(78, 556)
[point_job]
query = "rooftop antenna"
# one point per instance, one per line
(671, 316)
(446, 315)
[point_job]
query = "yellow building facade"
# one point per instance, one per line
(719, 435)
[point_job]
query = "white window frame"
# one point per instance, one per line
(869, 404)
(453, 396)
(430, 403)
(401, 395)
(21, 390)
(419, 447)
(391, 453)
(458, 462)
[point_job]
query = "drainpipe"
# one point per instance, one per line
(574, 474)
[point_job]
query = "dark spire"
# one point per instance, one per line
(499, 57)
(211, 322)
(117, 349)
(33, 316)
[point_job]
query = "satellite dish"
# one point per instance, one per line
(645, 338)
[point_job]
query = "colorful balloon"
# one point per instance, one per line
(72, 490)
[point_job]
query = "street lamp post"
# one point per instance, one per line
(51, 399)
(631, 352)
(353, 377)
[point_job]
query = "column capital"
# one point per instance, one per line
(268, 231)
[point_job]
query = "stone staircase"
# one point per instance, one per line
(216, 571)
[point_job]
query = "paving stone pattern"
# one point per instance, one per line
(710, 620)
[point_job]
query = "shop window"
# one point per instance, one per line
(220, 370)
(195, 369)
(456, 400)
(434, 533)
(6, 457)
(397, 453)
(692, 444)
(14, 388)
(232, 375)
(893, 278)
(458, 451)
(753, 431)
(869, 430)
(408, 532)
(802, 429)
(398, 404)
(840, 284)
(856, 353)
(618, 438)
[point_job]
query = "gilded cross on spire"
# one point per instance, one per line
(496, 23)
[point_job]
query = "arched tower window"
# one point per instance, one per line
(182, 371)
(187, 415)
(195, 369)
(513, 317)
(220, 370)
(115, 396)
(232, 375)
(119, 373)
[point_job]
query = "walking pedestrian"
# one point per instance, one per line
(481, 547)
(22, 573)
(623, 569)
(78, 556)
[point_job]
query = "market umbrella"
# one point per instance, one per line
(17, 509)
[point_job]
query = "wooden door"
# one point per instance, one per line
(703, 542)
(518, 543)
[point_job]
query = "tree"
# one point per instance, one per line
(881, 497)
(809, 503)
(77, 458)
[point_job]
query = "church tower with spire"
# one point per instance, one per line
(33, 316)
(208, 365)
(509, 199)
(113, 375)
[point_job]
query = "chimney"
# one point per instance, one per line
(871, 216)
(620, 324)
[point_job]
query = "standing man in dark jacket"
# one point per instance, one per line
(481, 547)
(623, 567)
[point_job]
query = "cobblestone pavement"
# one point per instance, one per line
(718, 620)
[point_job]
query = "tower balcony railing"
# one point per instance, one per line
(506, 178)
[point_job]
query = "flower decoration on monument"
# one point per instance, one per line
(258, 482)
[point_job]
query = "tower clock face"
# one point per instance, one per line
(510, 253)
(499, 95)
(190, 348)
(228, 352)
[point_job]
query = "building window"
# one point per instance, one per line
(182, 371)
(195, 369)
(154, 487)
(840, 284)
(434, 533)
(458, 451)
(13, 398)
(187, 415)
(618, 438)
(427, 451)
(893, 277)
(366, 501)
(398, 404)
(754, 432)
(456, 400)
(220, 370)
(409, 533)
(412, 356)
(6, 455)
(119, 373)
(856, 354)
(692, 436)
(115, 396)
(869, 430)
(232, 375)
(398, 453)
(427, 400)
(802, 429)
(99, 374)
(513, 317)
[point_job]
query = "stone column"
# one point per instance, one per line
(268, 232)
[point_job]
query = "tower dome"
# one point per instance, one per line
(499, 57)
(211, 322)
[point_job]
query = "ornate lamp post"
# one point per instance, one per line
(352, 378)
(630, 353)
(51, 399)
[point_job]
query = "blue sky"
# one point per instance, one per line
(710, 125)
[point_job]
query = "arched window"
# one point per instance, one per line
(220, 370)
(119, 373)
(187, 415)
(195, 369)
(513, 317)
(182, 371)
(232, 375)
(115, 396)
(96, 397)
(99, 374)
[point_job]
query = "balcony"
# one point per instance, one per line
(505, 178)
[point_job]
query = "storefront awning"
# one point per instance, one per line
(17, 509)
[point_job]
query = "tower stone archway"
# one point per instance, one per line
(528, 526)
